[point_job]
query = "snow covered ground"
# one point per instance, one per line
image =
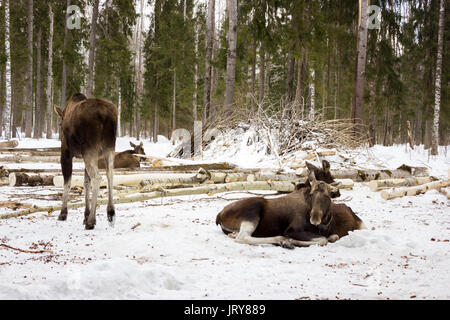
(177, 251)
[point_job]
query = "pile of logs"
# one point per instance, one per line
(177, 177)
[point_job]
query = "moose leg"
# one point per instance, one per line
(246, 231)
(306, 239)
(91, 163)
(109, 160)
(87, 192)
(66, 166)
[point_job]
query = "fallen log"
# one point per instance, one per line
(209, 189)
(413, 191)
(133, 179)
(24, 158)
(376, 185)
(9, 144)
(361, 175)
(21, 179)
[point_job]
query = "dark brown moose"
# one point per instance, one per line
(88, 129)
(305, 217)
(125, 159)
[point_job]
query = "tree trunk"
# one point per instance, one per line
(312, 89)
(29, 86)
(174, 102)
(64, 66)
(328, 94)
(437, 94)
(37, 134)
(253, 73)
(290, 78)
(49, 78)
(7, 110)
(360, 76)
(262, 72)
(232, 8)
(208, 57)
(92, 40)
(299, 93)
(119, 108)
(194, 97)
(139, 74)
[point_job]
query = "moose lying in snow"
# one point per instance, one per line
(125, 159)
(305, 217)
(88, 128)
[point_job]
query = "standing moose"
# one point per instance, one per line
(88, 128)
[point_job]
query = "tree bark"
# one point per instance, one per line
(64, 66)
(232, 8)
(376, 185)
(208, 57)
(7, 110)
(413, 191)
(253, 73)
(37, 134)
(360, 76)
(29, 87)
(139, 72)
(48, 92)
(437, 94)
(92, 41)
(22, 179)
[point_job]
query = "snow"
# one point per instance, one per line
(178, 252)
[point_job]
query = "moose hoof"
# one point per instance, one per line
(232, 235)
(111, 216)
(112, 221)
(287, 244)
(333, 238)
(322, 241)
(63, 215)
(89, 226)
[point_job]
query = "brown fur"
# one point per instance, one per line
(306, 214)
(88, 129)
(125, 159)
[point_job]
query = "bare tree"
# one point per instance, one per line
(231, 54)
(360, 76)
(48, 92)
(7, 111)
(437, 93)
(29, 87)
(208, 57)
(92, 40)
(37, 133)
(64, 66)
(139, 71)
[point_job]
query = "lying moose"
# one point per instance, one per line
(125, 159)
(305, 217)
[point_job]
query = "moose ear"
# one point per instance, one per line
(141, 144)
(310, 166)
(311, 176)
(58, 110)
(132, 145)
(325, 166)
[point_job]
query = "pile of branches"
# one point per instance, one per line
(285, 128)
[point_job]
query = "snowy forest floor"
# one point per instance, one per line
(177, 251)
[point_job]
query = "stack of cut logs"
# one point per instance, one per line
(184, 177)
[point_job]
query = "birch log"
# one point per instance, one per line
(361, 175)
(9, 144)
(136, 179)
(413, 191)
(20, 179)
(376, 185)
(210, 189)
